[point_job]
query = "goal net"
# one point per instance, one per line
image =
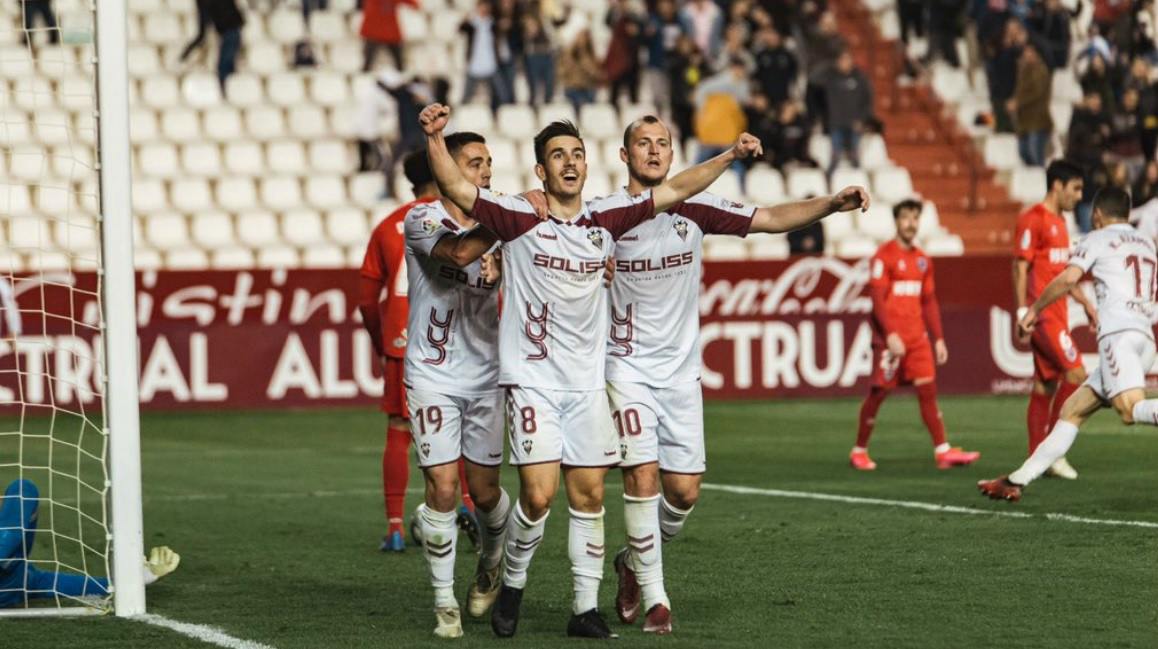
(63, 210)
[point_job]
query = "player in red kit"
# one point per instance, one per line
(1042, 250)
(905, 312)
(384, 310)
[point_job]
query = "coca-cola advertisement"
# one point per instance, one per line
(275, 338)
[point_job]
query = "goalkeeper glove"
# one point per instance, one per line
(160, 562)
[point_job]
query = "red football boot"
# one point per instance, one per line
(1000, 489)
(861, 461)
(627, 597)
(956, 457)
(658, 620)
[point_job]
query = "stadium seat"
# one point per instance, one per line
(763, 246)
(186, 259)
(838, 226)
(1027, 185)
(325, 192)
(855, 248)
(347, 226)
(72, 162)
(302, 228)
(160, 92)
(27, 163)
(1061, 112)
(727, 186)
(472, 117)
(1065, 88)
(877, 223)
(181, 125)
(166, 231)
(213, 230)
(31, 94)
(600, 121)
(286, 26)
(158, 160)
(143, 125)
(149, 196)
(201, 159)
(18, 61)
(257, 229)
(30, 232)
(191, 195)
(951, 84)
(77, 234)
(845, 177)
(266, 58)
(163, 27)
(329, 88)
(505, 154)
(606, 154)
(873, 153)
(725, 249)
(554, 112)
(244, 157)
(47, 261)
(264, 123)
(223, 124)
(413, 24)
(946, 245)
(277, 257)
(287, 157)
(330, 156)
(236, 194)
(56, 201)
(366, 188)
(892, 184)
(820, 148)
(281, 193)
(804, 182)
(1001, 151)
(598, 184)
(244, 90)
(345, 56)
(343, 122)
(507, 182)
(327, 27)
(316, 256)
(444, 24)
(232, 258)
(930, 221)
(286, 89)
(308, 122)
(201, 90)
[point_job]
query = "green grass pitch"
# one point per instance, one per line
(277, 517)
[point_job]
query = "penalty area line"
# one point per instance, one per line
(923, 506)
(203, 632)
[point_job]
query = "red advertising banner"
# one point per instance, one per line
(261, 339)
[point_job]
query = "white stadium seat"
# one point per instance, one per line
(764, 246)
(855, 248)
(213, 230)
(201, 159)
(285, 25)
(516, 121)
(877, 223)
(329, 88)
(325, 192)
(600, 121)
(873, 153)
(281, 193)
(327, 26)
(320, 256)
(1027, 185)
(191, 195)
(302, 228)
(844, 177)
(413, 24)
(347, 226)
(181, 125)
(149, 196)
(472, 117)
(803, 182)
(244, 157)
(345, 56)
(29, 232)
(286, 157)
(820, 149)
(158, 160)
(892, 184)
(330, 156)
(223, 124)
(201, 90)
(160, 92)
(236, 194)
(232, 258)
(948, 245)
(186, 259)
(554, 112)
(146, 258)
(727, 186)
(166, 231)
(143, 125)
(598, 184)
(286, 89)
(505, 154)
(244, 90)
(257, 229)
(264, 123)
(366, 188)
(277, 257)
(838, 226)
(266, 58)
(307, 122)
(725, 249)
(164, 27)
(1001, 151)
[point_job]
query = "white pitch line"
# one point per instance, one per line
(929, 507)
(202, 632)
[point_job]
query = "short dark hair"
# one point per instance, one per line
(417, 169)
(554, 129)
(907, 204)
(1113, 202)
(456, 141)
(646, 119)
(1061, 171)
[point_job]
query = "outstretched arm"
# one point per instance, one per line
(1061, 285)
(694, 180)
(463, 249)
(451, 182)
(798, 214)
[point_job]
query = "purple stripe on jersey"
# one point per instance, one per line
(713, 220)
(449, 224)
(505, 216)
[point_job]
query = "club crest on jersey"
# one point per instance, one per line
(429, 225)
(527, 446)
(425, 449)
(596, 238)
(922, 264)
(681, 228)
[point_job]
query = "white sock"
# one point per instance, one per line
(1051, 449)
(586, 549)
(523, 536)
(439, 538)
(1146, 412)
(493, 530)
(641, 516)
(671, 519)
(942, 447)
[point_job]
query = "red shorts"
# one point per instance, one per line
(1054, 352)
(917, 363)
(394, 392)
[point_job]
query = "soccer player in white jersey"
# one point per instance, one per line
(653, 356)
(451, 376)
(1125, 271)
(552, 332)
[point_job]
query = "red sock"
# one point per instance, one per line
(1064, 390)
(868, 415)
(395, 476)
(1037, 419)
(930, 413)
(466, 499)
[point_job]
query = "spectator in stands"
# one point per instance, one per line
(380, 30)
(1146, 187)
(1003, 73)
(1099, 79)
(42, 8)
(1029, 107)
(227, 19)
(685, 71)
(579, 71)
(704, 21)
(391, 94)
(823, 44)
(788, 138)
(1051, 23)
(482, 56)
(621, 64)
(538, 58)
(848, 96)
(1139, 80)
(735, 47)
(945, 18)
(776, 66)
(660, 34)
(1126, 131)
(911, 14)
(304, 55)
(808, 240)
(720, 118)
(508, 46)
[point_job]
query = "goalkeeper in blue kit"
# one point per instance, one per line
(20, 581)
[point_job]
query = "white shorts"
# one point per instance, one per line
(664, 425)
(446, 427)
(1123, 360)
(568, 426)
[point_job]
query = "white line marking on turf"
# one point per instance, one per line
(202, 632)
(929, 507)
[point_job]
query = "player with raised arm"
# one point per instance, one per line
(452, 380)
(905, 312)
(552, 348)
(1042, 248)
(1125, 270)
(653, 357)
(384, 308)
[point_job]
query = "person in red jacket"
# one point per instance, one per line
(384, 310)
(380, 29)
(905, 312)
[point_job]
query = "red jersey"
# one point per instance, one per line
(384, 284)
(1043, 240)
(903, 292)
